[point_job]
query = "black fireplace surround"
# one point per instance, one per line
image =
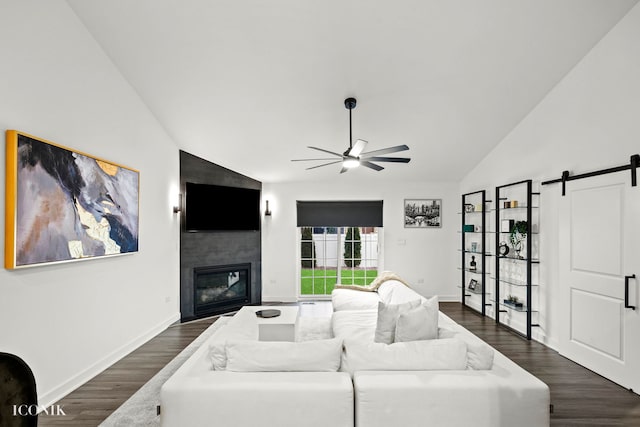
(203, 250)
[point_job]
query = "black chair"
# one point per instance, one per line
(18, 394)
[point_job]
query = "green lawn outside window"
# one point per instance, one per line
(322, 282)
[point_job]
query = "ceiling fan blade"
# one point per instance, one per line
(326, 151)
(389, 159)
(307, 160)
(343, 170)
(357, 148)
(385, 151)
(371, 165)
(325, 164)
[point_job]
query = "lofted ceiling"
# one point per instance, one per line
(250, 84)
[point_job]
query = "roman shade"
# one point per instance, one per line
(339, 213)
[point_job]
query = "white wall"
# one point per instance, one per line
(70, 321)
(589, 121)
(424, 257)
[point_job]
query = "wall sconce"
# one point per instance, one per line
(178, 208)
(267, 212)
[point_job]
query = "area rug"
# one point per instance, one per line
(141, 408)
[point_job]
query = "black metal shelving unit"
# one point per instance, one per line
(466, 253)
(528, 261)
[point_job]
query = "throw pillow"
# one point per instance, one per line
(387, 318)
(416, 325)
(243, 326)
(443, 354)
(277, 356)
(479, 356)
(218, 354)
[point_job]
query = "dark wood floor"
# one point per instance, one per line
(93, 402)
(579, 396)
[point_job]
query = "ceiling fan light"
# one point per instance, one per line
(351, 162)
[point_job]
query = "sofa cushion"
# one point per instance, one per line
(253, 399)
(347, 299)
(388, 316)
(442, 354)
(394, 292)
(386, 289)
(279, 356)
(355, 325)
(506, 397)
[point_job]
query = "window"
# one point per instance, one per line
(338, 243)
(330, 255)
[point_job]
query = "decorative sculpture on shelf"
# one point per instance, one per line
(518, 236)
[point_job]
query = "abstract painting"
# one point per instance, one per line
(64, 205)
(422, 213)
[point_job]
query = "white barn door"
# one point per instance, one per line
(599, 254)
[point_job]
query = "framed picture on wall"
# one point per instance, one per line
(422, 213)
(64, 205)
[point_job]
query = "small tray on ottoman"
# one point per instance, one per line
(265, 314)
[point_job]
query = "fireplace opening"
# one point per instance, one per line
(220, 287)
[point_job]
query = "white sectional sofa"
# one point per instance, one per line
(497, 392)
(454, 379)
(198, 395)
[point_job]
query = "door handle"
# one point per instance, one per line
(626, 292)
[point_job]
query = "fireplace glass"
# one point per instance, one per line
(219, 287)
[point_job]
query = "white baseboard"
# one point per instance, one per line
(449, 298)
(540, 335)
(52, 396)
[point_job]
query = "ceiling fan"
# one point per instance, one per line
(354, 155)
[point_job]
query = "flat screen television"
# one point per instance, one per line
(219, 208)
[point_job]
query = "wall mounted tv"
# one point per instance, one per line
(219, 208)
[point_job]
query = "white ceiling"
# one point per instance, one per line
(250, 84)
